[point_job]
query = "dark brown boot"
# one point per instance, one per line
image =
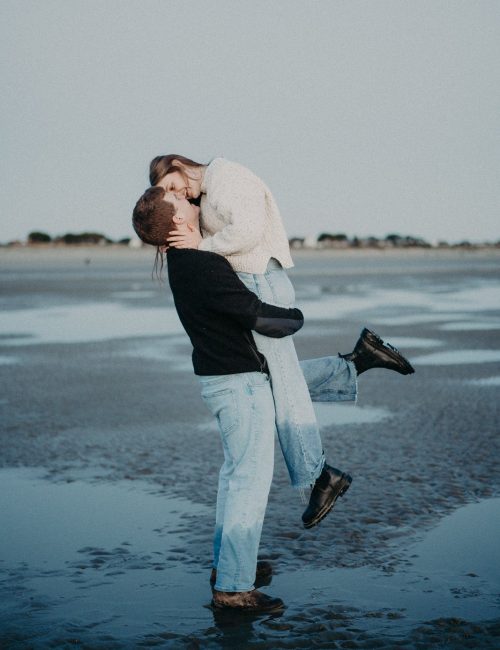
(263, 574)
(246, 601)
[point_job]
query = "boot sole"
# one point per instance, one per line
(346, 481)
(404, 367)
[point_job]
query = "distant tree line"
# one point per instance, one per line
(341, 240)
(323, 241)
(38, 237)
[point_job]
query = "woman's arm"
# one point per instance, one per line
(239, 199)
(242, 208)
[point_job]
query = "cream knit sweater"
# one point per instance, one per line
(240, 219)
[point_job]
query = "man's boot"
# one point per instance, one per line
(331, 484)
(371, 352)
(246, 601)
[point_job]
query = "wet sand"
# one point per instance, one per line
(109, 461)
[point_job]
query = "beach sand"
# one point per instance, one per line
(109, 460)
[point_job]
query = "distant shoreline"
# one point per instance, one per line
(85, 254)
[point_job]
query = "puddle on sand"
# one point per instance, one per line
(441, 305)
(8, 361)
(470, 326)
(94, 555)
(452, 572)
(416, 318)
(413, 342)
(87, 322)
(63, 517)
(343, 414)
(173, 350)
(485, 381)
(101, 561)
(457, 357)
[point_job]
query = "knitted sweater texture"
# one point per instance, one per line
(240, 219)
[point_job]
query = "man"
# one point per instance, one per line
(218, 313)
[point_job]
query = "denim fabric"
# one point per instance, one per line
(331, 379)
(244, 408)
(248, 413)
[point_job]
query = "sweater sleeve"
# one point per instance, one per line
(226, 294)
(240, 200)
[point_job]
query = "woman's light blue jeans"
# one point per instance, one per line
(330, 379)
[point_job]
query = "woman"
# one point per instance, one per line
(241, 221)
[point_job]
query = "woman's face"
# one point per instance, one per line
(184, 187)
(186, 211)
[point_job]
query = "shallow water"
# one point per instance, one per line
(104, 563)
(108, 540)
(343, 414)
(86, 323)
(458, 357)
(486, 381)
(471, 326)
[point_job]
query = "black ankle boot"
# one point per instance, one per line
(331, 484)
(371, 352)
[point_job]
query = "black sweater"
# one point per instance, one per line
(218, 312)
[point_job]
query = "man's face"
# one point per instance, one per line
(185, 211)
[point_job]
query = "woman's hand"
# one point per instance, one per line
(191, 239)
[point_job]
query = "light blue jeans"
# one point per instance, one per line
(246, 408)
(331, 379)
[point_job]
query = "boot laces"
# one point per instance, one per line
(391, 347)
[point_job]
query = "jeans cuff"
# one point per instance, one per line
(314, 475)
(238, 589)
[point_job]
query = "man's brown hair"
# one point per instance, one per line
(152, 220)
(152, 217)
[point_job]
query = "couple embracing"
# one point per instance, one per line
(227, 253)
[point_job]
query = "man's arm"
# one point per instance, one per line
(277, 321)
(226, 294)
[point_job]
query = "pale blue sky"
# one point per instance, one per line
(364, 117)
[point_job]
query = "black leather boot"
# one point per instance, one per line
(371, 352)
(331, 484)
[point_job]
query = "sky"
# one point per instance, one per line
(364, 117)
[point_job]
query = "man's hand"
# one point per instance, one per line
(191, 239)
